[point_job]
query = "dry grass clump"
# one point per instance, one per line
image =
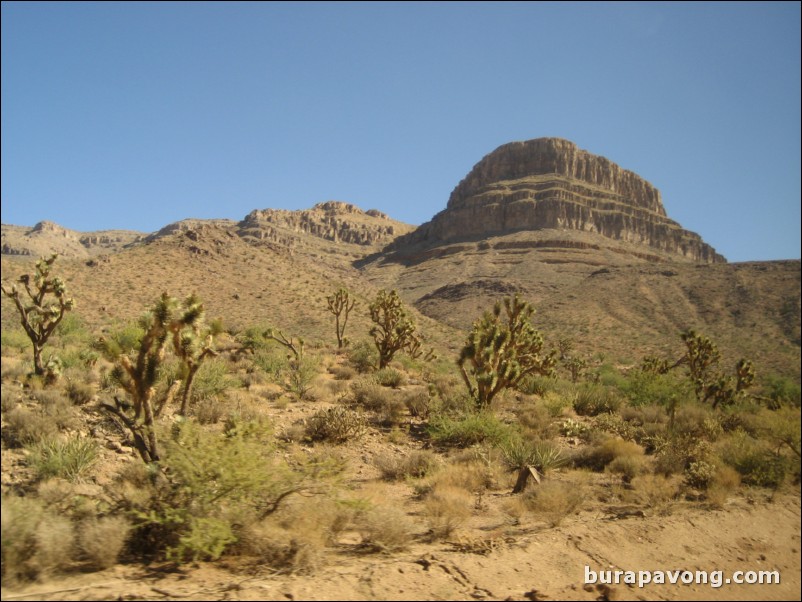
(446, 507)
(725, 482)
(599, 456)
(66, 457)
(336, 425)
(385, 529)
(657, 491)
(416, 464)
(36, 542)
(554, 500)
(101, 540)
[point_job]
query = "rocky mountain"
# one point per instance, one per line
(551, 184)
(47, 237)
(584, 240)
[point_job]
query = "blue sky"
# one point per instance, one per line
(129, 115)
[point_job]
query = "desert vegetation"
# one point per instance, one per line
(178, 439)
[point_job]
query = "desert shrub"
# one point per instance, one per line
(343, 372)
(13, 369)
(387, 406)
(755, 462)
(212, 381)
(628, 466)
(219, 484)
(534, 419)
(597, 457)
(615, 425)
(336, 425)
(656, 491)
(782, 390)
(418, 403)
(101, 540)
(543, 455)
(554, 500)
(469, 429)
(416, 464)
(80, 393)
(66, 457)
(209, 411)
(271, 361)
(14, 341)
(644, 387)
(363, 356)
(676, 452)
(593, 399)
(446, 507)
(24, 426)
(725, 481)
(535, 384)
(556, 403)
(384, 529)
(574, 428)
(285, 548)
(781, 428)
(36, 542)
(390, 377)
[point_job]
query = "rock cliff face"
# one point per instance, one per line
(48, 237)
(549, 183)
(332, 221)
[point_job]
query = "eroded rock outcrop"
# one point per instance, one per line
(550, 183)
(333, 221)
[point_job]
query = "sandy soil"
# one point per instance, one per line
(751, 534)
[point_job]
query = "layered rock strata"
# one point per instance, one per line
(550, 183)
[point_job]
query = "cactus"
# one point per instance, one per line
(340, 304)
(501, 350)
(39, 314)
(394, 330)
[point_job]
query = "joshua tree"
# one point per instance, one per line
(39, 314)
(501, 350)
(192, 343)
(340, 304)
(394, 330)
(136, 371)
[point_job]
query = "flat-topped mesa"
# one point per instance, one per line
(550, 183)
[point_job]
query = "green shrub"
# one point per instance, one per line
(469, 430)
(593, 399)
(212, 381)
(219, 484)
(14, 340)
(644, 387)
(363, 356)
(755, 462)
(419, 403)
(543, 455)
(389, 377)
(783, 391)
(69, 458)
(101, 540)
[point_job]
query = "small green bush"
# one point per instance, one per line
(755, 462)
(363, 356)
(469, 430)
(390, 377)
(69, 458)
(593, 399)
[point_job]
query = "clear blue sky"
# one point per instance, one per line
(137, 115)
